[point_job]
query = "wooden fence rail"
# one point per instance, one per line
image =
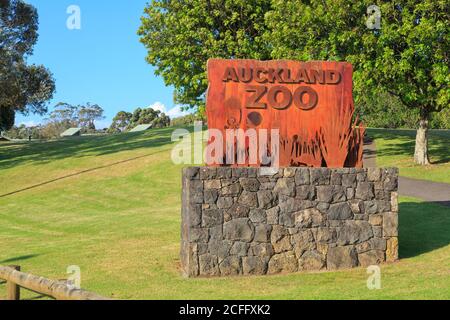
(15, 279)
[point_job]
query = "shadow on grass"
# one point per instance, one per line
(79, 173)
(19, 258)
(439, 143)
(13, 154)
(423, 227)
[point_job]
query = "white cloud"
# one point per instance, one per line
(174, 112)
(158, 106)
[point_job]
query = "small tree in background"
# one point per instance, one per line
(66, 115)
(88, 114)
(161, 121)
(24, 88)
(124, 121)
(24, 132)
(149, 116)
(121, 122)
(144, 116)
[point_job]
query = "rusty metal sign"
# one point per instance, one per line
(310, 103)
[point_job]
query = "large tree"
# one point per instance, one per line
(88, 114)
(181, 35)
(82, 116)
(407, 56)
(65, 114)
(24, 88)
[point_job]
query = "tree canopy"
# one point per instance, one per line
(121, 122)
(407, 56)
(66, 115)
(88, 114)
(124, 121)
(25, 88)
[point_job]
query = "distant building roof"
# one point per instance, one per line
(141, 127)
(2, 138)
(71, 132)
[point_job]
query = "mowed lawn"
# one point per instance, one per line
(395, 148)
(111, 205)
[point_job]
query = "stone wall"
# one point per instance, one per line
(242, 221)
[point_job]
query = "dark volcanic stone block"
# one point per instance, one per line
(255, 221)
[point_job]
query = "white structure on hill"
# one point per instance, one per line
(72, 132)
(141, 127)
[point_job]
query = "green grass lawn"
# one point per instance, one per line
(111, 205)
(395, 148)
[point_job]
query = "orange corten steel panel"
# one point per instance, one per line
(286, 101)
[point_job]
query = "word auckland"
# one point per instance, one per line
(281, 75)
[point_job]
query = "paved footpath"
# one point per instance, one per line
(422, 189)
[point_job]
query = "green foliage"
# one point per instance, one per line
(87, 115)
(149, 116)
(186, 120)
(441, 120)
(161, 121)
(82, 116)
(124, 121)
(24, 88)
(407, 57)
(53, 129)
(65, 113)
(120, 122)
(143, 116)
(65, 116)
(383, 110)
(181, 36)
(23, 132)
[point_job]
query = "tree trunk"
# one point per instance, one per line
(421, 150)
(7, 117)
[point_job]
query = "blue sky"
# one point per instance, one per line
(103, 62)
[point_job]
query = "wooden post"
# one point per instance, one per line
(12, 289)
(47, 287)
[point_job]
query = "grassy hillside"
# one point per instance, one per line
(396, 148)
(112, 206)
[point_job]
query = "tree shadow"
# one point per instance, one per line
(40, 184)
(19, 258)
(13, 154)
(423, 227)
(439, 143)
(15, 260)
